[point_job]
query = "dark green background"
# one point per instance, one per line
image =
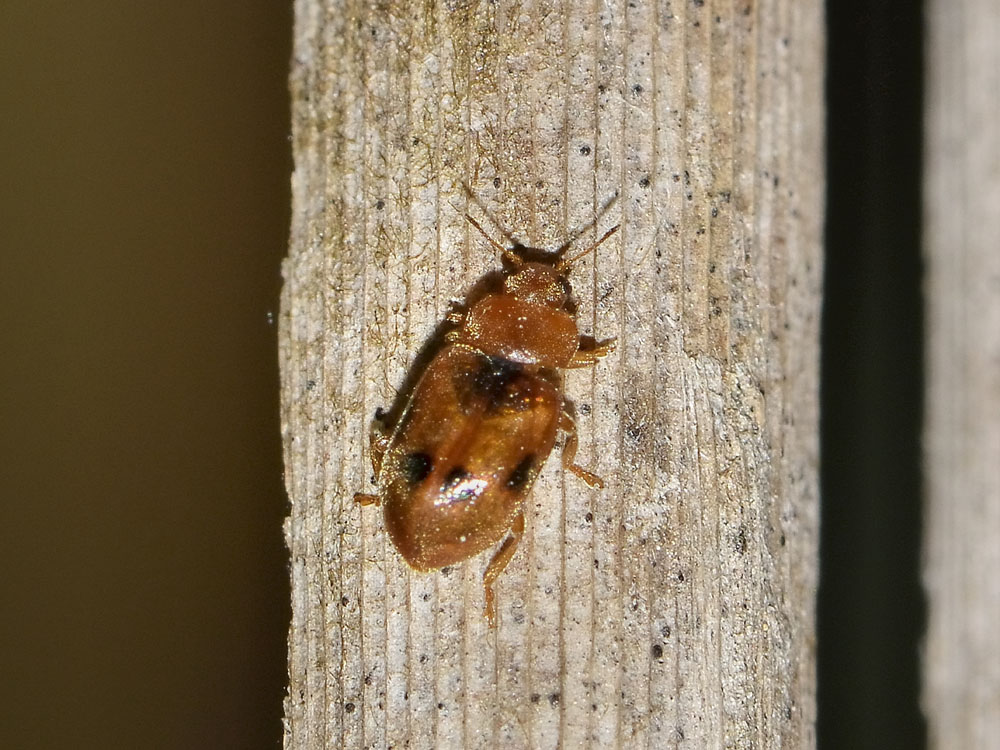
(144, 209)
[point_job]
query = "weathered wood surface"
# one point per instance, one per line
(677, 604)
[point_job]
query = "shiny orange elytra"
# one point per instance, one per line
(455, 471)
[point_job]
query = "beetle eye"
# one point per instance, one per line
(521, 474)
(416, 466)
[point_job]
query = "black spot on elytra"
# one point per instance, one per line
(416, 467)
(495, 377)
(496, 385)
(501, 383)
(521, 474)
(455, 476)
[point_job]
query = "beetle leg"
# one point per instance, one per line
(589, 357)
(378, 443)
(568, 425)
(497, 565)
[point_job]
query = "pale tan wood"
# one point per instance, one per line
(676, 604)
(961, 695)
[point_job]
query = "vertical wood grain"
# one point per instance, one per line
(675, 605)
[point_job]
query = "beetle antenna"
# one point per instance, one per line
(563, 265)
(506, 252)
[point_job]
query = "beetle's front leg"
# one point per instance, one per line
(456, 313)
(455, 316)
(568, 425)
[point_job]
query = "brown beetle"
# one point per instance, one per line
(454, 473)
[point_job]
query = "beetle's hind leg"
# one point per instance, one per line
(568, 425)
(497, 565)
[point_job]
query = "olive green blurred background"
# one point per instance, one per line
(144, 208)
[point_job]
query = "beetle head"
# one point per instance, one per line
(544, 283)
(538, 283)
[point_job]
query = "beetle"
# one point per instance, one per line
(454, 472)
